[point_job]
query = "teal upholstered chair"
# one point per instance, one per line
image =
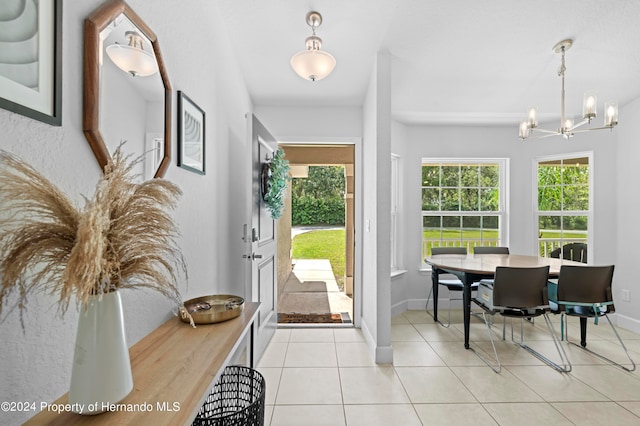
(585, 292)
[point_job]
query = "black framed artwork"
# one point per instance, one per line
(31, 59)
(191, 126)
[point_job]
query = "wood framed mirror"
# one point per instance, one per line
(125, 103)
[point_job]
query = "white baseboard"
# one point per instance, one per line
(368, 337)
(618, 319)
(380, 354)
(626, 322)
(384, 355)
(399, 308)
(419, 304)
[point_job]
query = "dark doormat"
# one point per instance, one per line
(294, 318)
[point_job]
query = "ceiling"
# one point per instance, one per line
(452, 62)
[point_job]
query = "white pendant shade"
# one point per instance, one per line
(133, 59)
(313, 65)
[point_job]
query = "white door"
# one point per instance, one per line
(262, 239)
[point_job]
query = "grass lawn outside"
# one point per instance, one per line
(322, 244)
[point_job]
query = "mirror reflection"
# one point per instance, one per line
(127, 94)
(131, 95)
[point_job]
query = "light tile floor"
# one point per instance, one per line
(327, 377)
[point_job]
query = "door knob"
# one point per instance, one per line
(251, 256)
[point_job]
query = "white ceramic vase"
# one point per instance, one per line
(101, 372)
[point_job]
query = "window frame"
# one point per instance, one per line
(503, 188)
(395, 218)
(589, 213)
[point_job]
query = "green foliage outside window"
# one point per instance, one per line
(473, 190)
(319, 198)
(563, 187)
(460, 187)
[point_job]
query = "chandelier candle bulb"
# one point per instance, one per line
(532, 121)
(611, 114)
(589, 106)
(524, 130)
(568, 124)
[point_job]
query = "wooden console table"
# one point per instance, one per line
(174, 369)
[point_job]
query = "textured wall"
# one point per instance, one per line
(35, 364)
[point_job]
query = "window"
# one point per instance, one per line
(563, 200)
(395, 203)
(463, 203)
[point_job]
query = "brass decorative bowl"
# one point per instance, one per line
(212, 309)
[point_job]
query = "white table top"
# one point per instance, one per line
(486, 264)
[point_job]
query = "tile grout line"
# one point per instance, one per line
(452, 372)
(335, 347)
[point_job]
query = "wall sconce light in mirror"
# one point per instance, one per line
(132, 58)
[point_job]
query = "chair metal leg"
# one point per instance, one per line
(584, 347)
(497, 369)
(448, 315)
(426, 307)
(504, 328)
(564, 360)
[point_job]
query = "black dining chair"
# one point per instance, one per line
(572, 251)
(585, 292)
(490, 250)
(482, 250)
(518, 293)
(453, 285)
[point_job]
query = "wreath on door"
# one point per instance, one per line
(274, 178)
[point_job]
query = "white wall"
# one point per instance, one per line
(35, 365)
(368, 219)
(625, 213)
(502, 142)
(311, 124)
(376, 164)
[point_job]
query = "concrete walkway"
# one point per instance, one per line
(312, 288)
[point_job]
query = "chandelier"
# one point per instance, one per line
(312, 63)
(568, 128)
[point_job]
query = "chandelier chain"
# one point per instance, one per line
(562, 68)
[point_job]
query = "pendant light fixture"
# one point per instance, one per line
(133, 59)
(312, 63)
(567, 126)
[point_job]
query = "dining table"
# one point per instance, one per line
(470, 268)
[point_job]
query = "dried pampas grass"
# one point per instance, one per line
(123, 238)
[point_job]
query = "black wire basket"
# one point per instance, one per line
(237, 398)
